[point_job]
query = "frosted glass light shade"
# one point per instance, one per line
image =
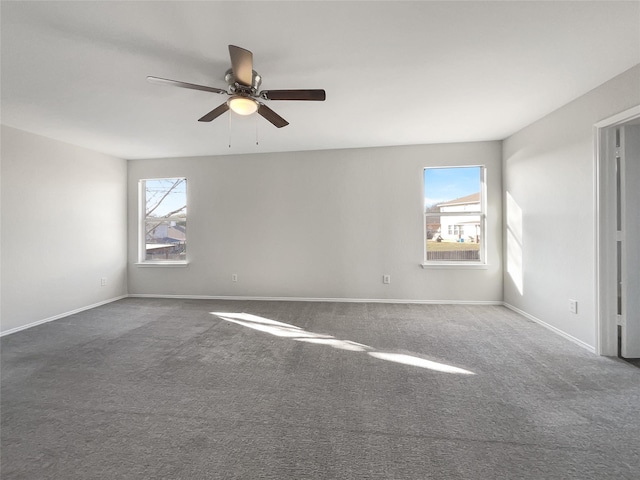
(243, 105)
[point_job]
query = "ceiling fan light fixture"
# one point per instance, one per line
(243, 105)
(244, 83)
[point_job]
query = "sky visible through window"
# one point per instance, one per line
(156, 190)
(444, 184)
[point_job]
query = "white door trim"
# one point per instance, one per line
(604, 194)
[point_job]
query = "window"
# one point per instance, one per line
(163, 220)
(454, 203)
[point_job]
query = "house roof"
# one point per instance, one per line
(473, 198)
(76, 71)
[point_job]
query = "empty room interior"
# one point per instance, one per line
(323, 240)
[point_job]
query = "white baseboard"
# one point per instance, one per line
(556, 330)
(62, 315)
(316, 299)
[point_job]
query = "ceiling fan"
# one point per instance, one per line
(244, 83)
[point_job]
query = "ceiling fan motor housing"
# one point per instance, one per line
(236, 87)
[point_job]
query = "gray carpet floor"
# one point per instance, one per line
(164, 389)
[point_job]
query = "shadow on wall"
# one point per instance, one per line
(285, 330)
(514, 243)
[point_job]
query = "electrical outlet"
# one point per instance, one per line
(234, 277)
(573, 306)
(103, 281)
(386, 279)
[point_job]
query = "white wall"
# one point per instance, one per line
(323, 224)
(63, 228)
(548, 177)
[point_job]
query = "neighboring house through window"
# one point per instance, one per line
(163, 220)
(454, 201)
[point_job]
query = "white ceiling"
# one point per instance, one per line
(395, 72)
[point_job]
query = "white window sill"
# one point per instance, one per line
(163, 264)
(458, 265)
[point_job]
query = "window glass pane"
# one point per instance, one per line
(165, 240)
(452, 189)
(164, 226)
(166, 197)
(454, 231)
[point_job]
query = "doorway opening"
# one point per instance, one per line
(618, 235)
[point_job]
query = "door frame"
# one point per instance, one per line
(606, 262)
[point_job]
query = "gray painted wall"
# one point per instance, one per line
(63, 228)
(549, 185)
(321, 224)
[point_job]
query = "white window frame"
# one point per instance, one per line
(466, 264)
(142, 248)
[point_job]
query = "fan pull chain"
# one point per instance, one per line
(229, 129)
(256, 124)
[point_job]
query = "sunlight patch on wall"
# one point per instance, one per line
(514, 243)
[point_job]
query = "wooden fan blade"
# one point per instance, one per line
(175, 83)
(215, 113)
(312, 95)
(241, 64)
(272, 116)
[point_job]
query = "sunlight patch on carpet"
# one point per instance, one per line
(286, 330)
(419, 362)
